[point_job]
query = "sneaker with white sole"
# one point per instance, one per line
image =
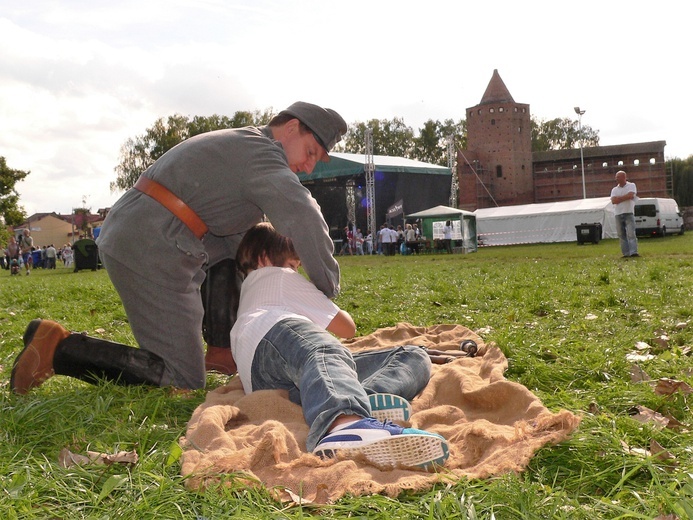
(389, 407)
(385, 444)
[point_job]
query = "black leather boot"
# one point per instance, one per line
(221, 291)
(92, 359)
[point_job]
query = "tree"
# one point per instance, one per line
(682, 170)
(138, 154)
(200, 125)
(10, 211)
(81, 220)
(390, 137)
(395, 138)
(432, 143)
(561, 134)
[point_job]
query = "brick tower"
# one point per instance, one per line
(497, 164)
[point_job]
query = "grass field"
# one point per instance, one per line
(569, 319)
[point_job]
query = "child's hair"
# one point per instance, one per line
(263, 240)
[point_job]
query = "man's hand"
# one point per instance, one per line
(220, 359)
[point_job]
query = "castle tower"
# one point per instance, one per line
(497, 165)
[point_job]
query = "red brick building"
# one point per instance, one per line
(498, 167)
(558, 173)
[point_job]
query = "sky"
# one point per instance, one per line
(78, 78)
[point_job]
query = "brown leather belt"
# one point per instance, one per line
(171, 202)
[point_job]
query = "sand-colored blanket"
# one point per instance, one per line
(493, 426)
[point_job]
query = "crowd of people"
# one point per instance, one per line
(390, 240)
(20, 253)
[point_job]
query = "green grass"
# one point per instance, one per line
(566, 316)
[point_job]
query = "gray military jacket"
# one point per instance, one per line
(230, 178)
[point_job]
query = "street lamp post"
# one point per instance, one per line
(582, 158)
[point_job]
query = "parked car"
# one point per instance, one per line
(657, 217)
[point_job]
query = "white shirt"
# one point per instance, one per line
(269, 295)
(384, 235)
(627, 206)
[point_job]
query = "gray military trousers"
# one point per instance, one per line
(163, 321)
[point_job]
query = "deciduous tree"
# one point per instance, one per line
(682, 170)
(10, 211)
(390, 137)
(432, 143)
(138, 154)
(561, 134)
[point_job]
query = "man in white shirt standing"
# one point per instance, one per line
(393, 240)
(51, 255)
(623, 197)
(384, 240)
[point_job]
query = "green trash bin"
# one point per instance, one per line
(86, 254)
(589, 233)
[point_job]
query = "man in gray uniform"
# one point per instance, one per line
(182, 220)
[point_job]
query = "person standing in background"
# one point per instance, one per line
(12, 251)
(27, 247)
(447, 236)
(623, 197)
(51, 255)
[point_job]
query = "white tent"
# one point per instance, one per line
(463, 224)
(441, 211)
(539, 223)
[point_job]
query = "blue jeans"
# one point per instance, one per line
(625, 227)
(326, 379)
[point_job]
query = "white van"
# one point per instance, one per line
(657, 217)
